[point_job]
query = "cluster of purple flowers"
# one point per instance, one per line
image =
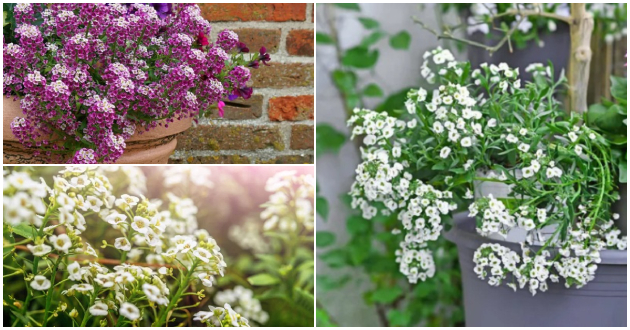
(88, 75)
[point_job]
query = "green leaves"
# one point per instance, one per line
(401, 40)
(349, 6)
(346, 82)
(386, 295)
(328, 140)
(619, 89)
(335, 258)
(398, 318)
(323, 39)
(360, 57)
(357, 225)
(25, 230)
(373, 90)
(263, 280)
(372, 38)
(324, 239)
(369, 23)
(322, 207)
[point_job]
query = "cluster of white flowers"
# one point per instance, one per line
(458, 131)
(243, 302)
(290, 205)
(383, 178)
(577, 262)
(178, 175)
(79, 192)
(221, 317)
(23, 199)
(248, 236)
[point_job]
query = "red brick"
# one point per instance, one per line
(291, 108)
(236, 137)
(302, 137)
(283, 75)
(300, 42)
(240, 109)
(275, 12)
(256, 38)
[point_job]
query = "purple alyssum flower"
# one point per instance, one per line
(93, 73)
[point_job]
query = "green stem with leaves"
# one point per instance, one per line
(182, 287)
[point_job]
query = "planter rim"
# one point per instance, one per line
(11, 108)
(462, 233)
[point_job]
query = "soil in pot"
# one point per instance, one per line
(602, 302)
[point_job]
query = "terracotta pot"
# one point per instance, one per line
(144, 147)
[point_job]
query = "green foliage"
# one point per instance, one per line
(401, 40)
(8, 22)
(323, 319)
(324, 239)
(610, 118)
(323, 38)
(386, 295)
(263, 280)
(360, 57)
(328, 140)
(349, 6)
(369, 23)
(373, 90)
(322, 207)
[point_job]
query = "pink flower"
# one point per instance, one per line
(220, 105)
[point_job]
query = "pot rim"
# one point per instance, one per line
(462, 235)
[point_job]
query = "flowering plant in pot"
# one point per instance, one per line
(486, 125)
(89, 76)
(146, 276)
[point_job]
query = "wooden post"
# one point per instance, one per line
(580, 57)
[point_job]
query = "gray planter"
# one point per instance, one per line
(602, 302)
(556, 48)
(621, 207)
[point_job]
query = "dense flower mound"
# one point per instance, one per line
(487, 121)
(89, 75)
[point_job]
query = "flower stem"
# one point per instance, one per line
(163, 315)
(51, 291)
(86, 315)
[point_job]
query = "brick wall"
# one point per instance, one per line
(276, 125)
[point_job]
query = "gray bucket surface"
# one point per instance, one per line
(602, 302)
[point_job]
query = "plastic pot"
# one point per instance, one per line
(556, 48)
(144, 147)
(602, 302)
(621, 207)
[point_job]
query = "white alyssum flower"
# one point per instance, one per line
(61, 243)
(39, 250)
(445, 152)
(40, 283)
(129, 311)
(74, 271)
(140, 224)
(99, 309)
(121, 243)
(243, 302)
